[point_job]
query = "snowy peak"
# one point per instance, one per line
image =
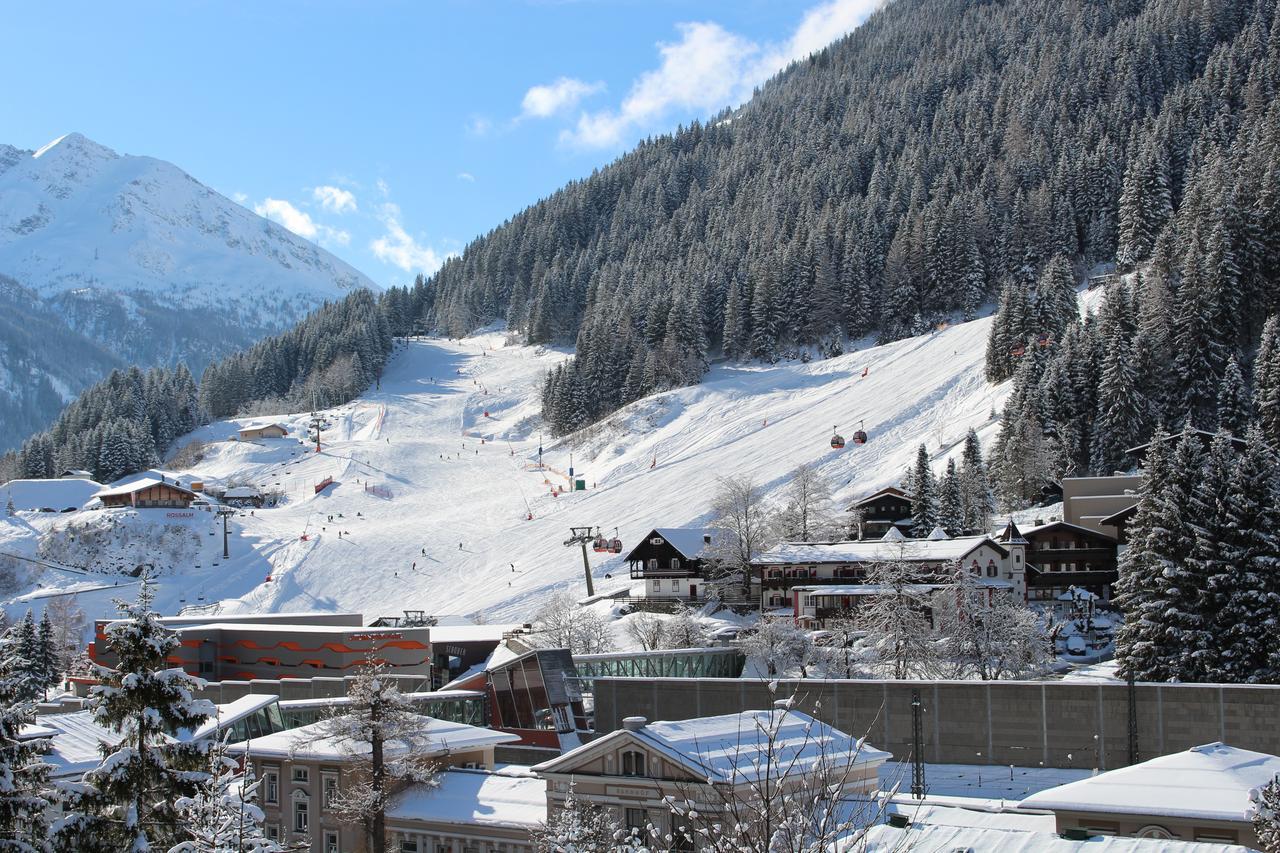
(76, 214)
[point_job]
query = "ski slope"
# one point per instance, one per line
(433, 497)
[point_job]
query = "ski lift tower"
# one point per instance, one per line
(225, 512)
(317, 424)
(581, 536)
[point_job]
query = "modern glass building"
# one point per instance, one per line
(719, 662)
(457, 706)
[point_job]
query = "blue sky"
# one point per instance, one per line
(392, 132)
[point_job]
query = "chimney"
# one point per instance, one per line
(633, 724)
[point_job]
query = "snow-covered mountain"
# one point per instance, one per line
(441, 508)
(133, 254)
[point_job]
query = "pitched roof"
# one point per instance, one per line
(876, 551)
(1066, 525)
(1011, 535)
(52, 494)
(1210, 782)
(138, 485)
(732, 747)
(75, 738)
(506, 798)
(887, 491)
(688, 541)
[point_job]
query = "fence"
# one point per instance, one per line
(1026, 723)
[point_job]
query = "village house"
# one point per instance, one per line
(1061, 555)
(670, 562)
(873, 516)
(62, 495)
(147, 493)
(1089, 501)
(813, 581)
(304, 769)
(1201, 794)
(256, 432)
(719, 763)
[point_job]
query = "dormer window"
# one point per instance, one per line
(632, 763)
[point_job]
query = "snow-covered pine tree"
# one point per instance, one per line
(924, 495)
(976, 499)
(1233, 400)
(128, 801)
(1145, 204)
(1206, 566)
(1138, 641)
(222, 817)
(1246, 593)
(48, 661)
(950, 508)
(1119, 423)
(1266, 382)
(1176, 596)
(24, 797)
(21, 661)
(1056, 305)
(1264, 806)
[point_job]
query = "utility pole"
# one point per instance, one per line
(225, 513)
(581, 536)
(917, 749)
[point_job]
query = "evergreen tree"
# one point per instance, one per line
(222, 816)
(48, 661)
(129, 801)
(976, 499)
(1205, 567)
(1145, 204)
(924, 497)
(1233, 400)
(24, 797)
(21, 662)
(950, 506)
(1139, 644)
(1118, 424)
(1266, 382)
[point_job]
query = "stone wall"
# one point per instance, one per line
(1026, 723)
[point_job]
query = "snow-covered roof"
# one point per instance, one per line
(875, 551)
(689, 541)
(1210, 782)
(988, 818)
(936, 838)
(172, 477)
(230, 712)
(732, 747)
(241, 492)
(475, 797)
(49, 494)
(313, 742)
(891, 491)
(253, 427)
(472, 633)
(425, 696)
(1067, 525)
(138, 485)
(75, 741)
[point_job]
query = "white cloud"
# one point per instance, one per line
(709, 68)
(467, 176)
(335, 199)
(300, 222)
(548, 99)
(383, 188)
(398, 248)
(240, 198)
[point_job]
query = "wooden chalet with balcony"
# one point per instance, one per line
(147, 493)
(1062, 555)
(874, 515)
(670, 562)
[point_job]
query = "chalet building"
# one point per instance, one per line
(670, 562)
(874, 515)
(1139, 453)
(1062, 555)
(147, 493)
(819, 580)
(255, 432)
(636, 771)
(303, 771)
(1087, 501)
(76, 474)
(243, 496)
(62, 495)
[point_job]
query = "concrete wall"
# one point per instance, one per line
(1054, 723)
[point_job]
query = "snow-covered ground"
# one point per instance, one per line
(435, 478)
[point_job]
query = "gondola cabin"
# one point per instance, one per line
(837, 442)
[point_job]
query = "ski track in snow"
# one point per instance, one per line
(416, 438)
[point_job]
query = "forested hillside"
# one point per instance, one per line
(944, 150)
(126, 422)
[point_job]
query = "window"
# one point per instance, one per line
(653, 564)
(991, 570)
(272, 831)
(330, 842)
(638, 819)
(675, 564)
(271, 787)
(408, 845)
(301, 774)
(329, 790)
(300, 822)
(633, 763)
